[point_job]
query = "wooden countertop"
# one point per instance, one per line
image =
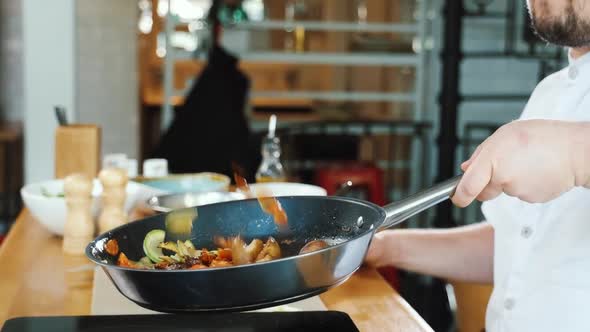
(38, 280)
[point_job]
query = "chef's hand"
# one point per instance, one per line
(534, 160)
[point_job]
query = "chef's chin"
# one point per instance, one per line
(558, 22)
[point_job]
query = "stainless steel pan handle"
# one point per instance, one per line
(408, 207)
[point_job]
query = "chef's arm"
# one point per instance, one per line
(462, 253)
(581, 140)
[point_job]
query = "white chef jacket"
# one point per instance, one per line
(542, 251)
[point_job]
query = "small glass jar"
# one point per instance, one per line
(271, 169)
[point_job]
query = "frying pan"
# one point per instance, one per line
(347, 224)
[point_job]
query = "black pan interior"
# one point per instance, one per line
(333, 219)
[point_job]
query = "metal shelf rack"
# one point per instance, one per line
(418, 60)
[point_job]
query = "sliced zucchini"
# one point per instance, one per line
(151, 245)
(182, 249)
(168, 259)
(146, 261)
(169, 246)
(186, 248)
(177, 258)
(194, 252)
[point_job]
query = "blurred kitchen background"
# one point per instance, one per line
(397, 93)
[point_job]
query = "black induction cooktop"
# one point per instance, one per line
(204, 322)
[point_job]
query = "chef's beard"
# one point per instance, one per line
(568, 30)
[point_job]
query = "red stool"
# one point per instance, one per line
(361, 175)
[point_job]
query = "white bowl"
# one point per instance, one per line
(190, 183)
(51, 211)
(288, 189)
(169, 202)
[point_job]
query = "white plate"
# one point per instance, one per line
(288, 189)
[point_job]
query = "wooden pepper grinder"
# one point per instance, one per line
(79, 226)
(114, 184)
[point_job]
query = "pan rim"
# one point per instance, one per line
(377, 208)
